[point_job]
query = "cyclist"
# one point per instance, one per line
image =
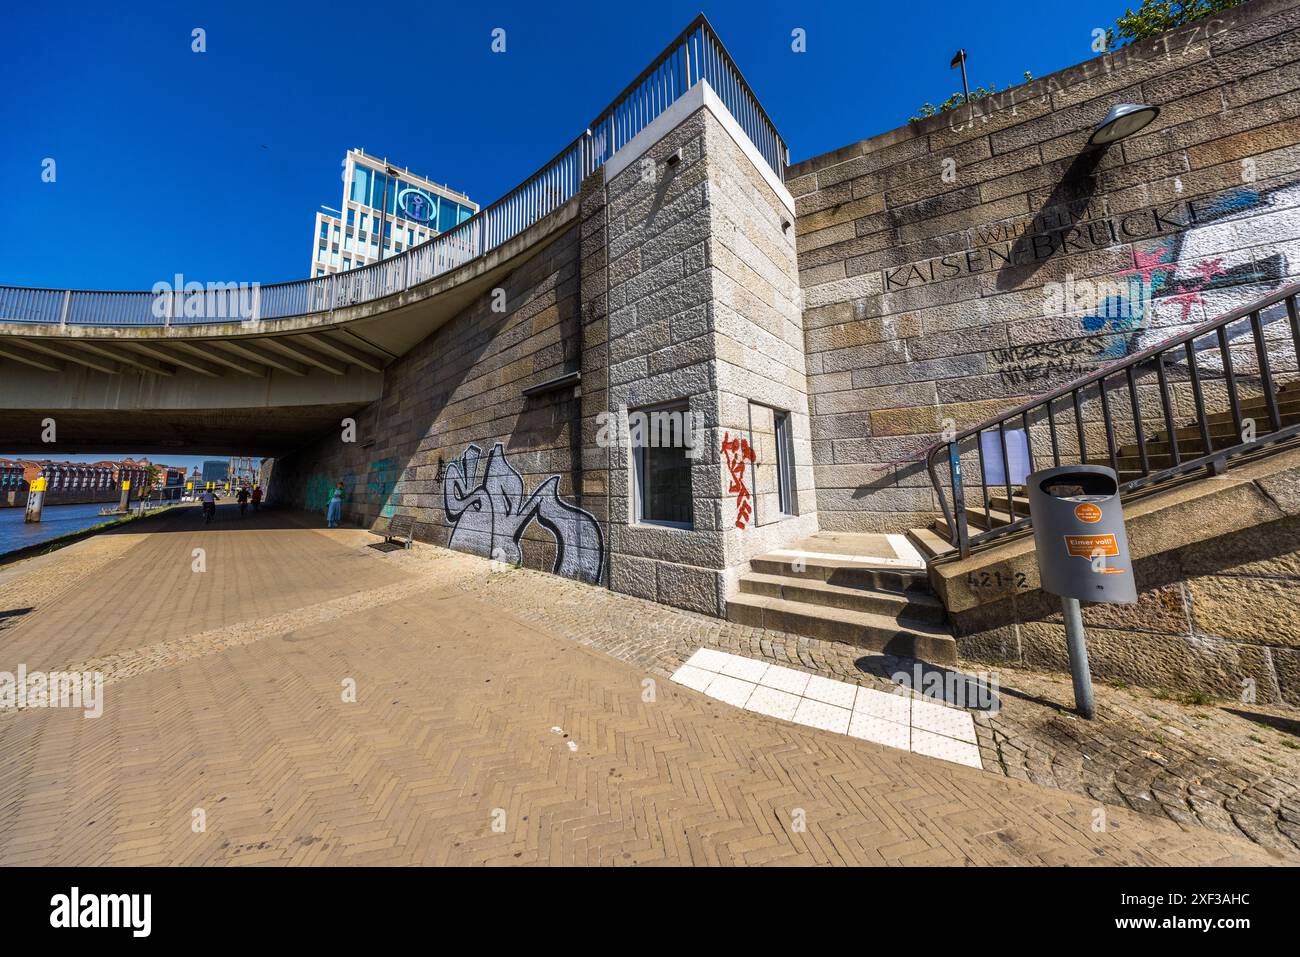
(242, 498)
(209, 501)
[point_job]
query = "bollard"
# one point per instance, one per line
(125, 501)
(35, 501)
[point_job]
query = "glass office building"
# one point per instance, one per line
(384, 212)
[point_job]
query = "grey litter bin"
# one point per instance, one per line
(1082, 552)
(1079, 534)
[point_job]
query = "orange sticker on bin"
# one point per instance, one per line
(1087, 546)
(1087, 512)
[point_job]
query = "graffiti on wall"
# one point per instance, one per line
(381, 479)
(489, 512)
(318, 493)
(1175, 282)
(736, 453)
(320, 489)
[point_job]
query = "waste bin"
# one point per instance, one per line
(1079, 534)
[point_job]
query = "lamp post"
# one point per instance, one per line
(959, 59)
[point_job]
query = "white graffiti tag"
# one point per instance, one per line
(490, 514)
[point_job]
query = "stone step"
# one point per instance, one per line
(930, 544)
(1020, 503)
(916, 605)
(880, 633)
(850, 574)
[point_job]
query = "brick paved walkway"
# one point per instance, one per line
(483, 731)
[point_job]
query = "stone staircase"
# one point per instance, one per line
(870, 591)
(934, 542)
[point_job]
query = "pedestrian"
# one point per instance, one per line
(257, 497)
(242, 498)
(335, 513)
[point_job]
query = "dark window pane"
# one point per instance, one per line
(668, 485)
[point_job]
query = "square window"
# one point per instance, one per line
(660, 441)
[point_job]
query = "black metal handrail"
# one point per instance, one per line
(1114, 429)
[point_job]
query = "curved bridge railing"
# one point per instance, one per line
(696, 54)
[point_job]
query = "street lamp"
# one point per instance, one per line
(1123, 120)
(959, 58)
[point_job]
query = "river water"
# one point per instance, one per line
(57, 520)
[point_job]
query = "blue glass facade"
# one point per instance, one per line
(398, 198)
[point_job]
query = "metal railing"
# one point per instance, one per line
(1118, 414)
(696, 54)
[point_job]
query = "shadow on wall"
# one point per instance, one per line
(1071, 196)
(421, 419)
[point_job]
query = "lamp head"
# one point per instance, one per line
(1123, 120)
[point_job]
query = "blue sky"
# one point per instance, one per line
(212, 164)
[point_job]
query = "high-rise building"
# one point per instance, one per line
(380, 200)
(215, 470)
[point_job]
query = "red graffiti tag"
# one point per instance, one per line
(737, 452)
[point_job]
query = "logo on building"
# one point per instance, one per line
(417, 205)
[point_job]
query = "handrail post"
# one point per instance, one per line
(63, 312)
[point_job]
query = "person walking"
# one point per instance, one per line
(335, 513)
(257, 497)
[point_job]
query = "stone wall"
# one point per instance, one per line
(676, 287)
(703, 311)
(454, 443)
(1217, 565)
(954, 266)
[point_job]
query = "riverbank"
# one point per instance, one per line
(47, 545)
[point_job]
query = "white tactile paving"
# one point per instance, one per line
(870, 728)
(773, 703)
(819, 714)
(948, 722)
(697, 679)
(785, 679)
(879, 704)
(730, 690)
(948, 749)
(893, 720)
(838, 693)
(746, 669)
(709, 660)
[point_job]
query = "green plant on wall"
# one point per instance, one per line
(1151, 19)
(929, 109)
(1156, 16)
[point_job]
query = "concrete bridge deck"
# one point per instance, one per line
(482, 696)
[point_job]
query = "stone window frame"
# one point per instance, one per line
(638, 456)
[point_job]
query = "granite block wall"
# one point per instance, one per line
(455, 443)
(955, 266)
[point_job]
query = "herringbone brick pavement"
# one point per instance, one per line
(476, 737)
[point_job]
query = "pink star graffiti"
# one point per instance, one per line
(1209, 269)
(1148, 264)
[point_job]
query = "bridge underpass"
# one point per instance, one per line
(127, 372)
